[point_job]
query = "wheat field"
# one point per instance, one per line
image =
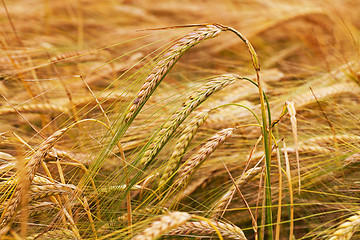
(141, 119)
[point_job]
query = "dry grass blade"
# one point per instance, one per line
(163, 225)
(288, 178)
(195, 100)
(203, 228)
(224, 200)
(181, 146)
(292, 112)
(166, 62)
(205, 151)
(346, 230)
(30, 170)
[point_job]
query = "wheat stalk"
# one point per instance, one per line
(168, 129)
(181, 145)
(224, 200)
(163, 225)
(345, 230)
(205, 151)
(30, 170)
(228, 231)
(166, 62)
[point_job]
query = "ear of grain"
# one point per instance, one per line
(203, 228)
(79, 56)
(309, 149)
(42, 207)
(224, 200)
(163, 225)
(41, 191)
(30, 170)
(205, 151)
(352, 159)
(329, 139)
(117, 188)
(6, 157)
(166, 62)
(347, 229)
(195, 100)
(181, 146)
(44, 108)
(324, 92)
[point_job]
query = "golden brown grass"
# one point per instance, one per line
(149, 94)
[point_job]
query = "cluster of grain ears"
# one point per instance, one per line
(168, 129)
(30, 171)
(181, 145)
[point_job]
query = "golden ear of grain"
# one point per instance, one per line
(6, 157)
(30, 170)
(79, 56)
(166, 62)
(352, 159)
(181, 145)
(329, 139)
(324, 92)
(163, 225)
(36, 108)
(205, 151)
(347, 229)
(195, 100)
(41, 191)
(42, 207)
(224, 200)
(307, 148)
(203, 228)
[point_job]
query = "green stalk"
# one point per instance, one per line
(265, 131)
(267, 147)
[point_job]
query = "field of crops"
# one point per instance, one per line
(139, 119)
